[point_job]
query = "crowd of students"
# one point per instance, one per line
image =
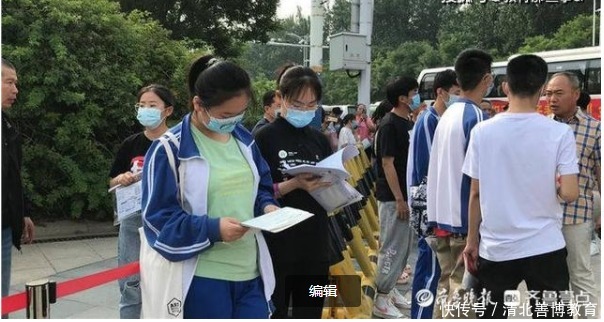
(505, 197)
(511, 194)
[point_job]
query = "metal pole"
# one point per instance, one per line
(305, 54)
(593, 29)
(354, 15)
(365, 28)
(317, 13)
(40, 294)
(286, 44)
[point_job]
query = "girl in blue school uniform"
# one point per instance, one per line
(224, 181)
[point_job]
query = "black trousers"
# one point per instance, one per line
(293, 280)
(545, 272)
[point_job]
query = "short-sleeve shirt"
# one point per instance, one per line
(587, 135)
(392, 141)
(448, 188)
(364, 125)
(131, 155)
(346, 138)
(230, 194)
(515, 157)
(283, 146)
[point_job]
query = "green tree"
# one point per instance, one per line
(339, 88)
(80, 65)
(337, 18)
(222, 24)
(263, 60)
(501, 28)
(260, 85)
(496, 28)
(398, 21)
(546, 18)
(406, 60)
(575, 33)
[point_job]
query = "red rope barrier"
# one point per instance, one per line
(17, 302)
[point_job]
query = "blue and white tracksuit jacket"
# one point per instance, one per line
(175, 222)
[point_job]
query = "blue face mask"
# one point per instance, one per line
(415, 102)
(149, 117)
(452, 99)
(299, 119)
(355, 125)
(223, 126)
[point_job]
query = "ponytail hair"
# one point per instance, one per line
(215, 81)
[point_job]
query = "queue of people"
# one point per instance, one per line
(532, 219)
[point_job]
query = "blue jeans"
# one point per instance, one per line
(210, 298)
(7, 245)
(128, 248)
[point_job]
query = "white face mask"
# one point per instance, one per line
(452, 99)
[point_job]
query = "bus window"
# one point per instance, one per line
(498, 79)
(594, 77)
(426, 92)
(576, 67)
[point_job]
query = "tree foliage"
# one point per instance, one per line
(263, 60)
(80, 64)
(575, 33)
(223, 24)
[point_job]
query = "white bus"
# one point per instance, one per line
(584, 62)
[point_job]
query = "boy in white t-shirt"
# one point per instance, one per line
(515, 219)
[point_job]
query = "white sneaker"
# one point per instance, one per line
(384, 308)
(399, 300)
(595, 247)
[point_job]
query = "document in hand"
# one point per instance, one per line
(278, 220)
(128, 200)
(331, 169)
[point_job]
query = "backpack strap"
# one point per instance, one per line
(165, 140)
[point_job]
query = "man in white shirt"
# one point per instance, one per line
(515, 223)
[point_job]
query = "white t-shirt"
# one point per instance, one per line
(448, 190)
(346, 138)
(515, 157)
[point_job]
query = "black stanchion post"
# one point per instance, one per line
(40, 294)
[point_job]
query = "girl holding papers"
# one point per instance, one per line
(300, 257)
(155, 104)
(200, 181)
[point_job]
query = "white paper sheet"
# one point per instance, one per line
(332, 166)
(331, 169)
(278, 220)
(339, 194)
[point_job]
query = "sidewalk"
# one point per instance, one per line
(66, 260)
(57, 256)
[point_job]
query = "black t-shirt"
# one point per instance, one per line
(280, 143)
(131, 155)
(392, 140)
